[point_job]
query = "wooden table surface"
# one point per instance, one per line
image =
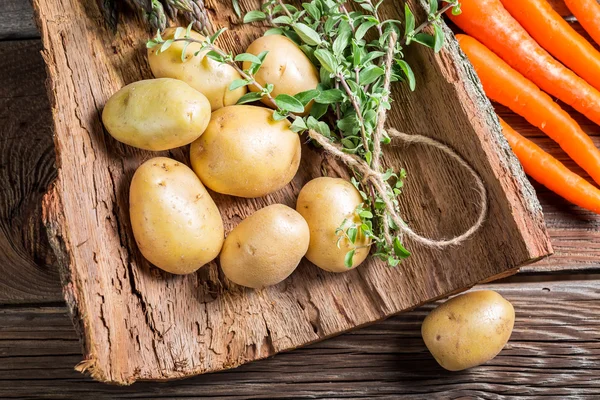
(554, 350)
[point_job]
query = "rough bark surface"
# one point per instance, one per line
(138, 323)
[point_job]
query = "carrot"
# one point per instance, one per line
(506, 86)
(551, 173)
(555, 35)
(588, 15)
(489, 22)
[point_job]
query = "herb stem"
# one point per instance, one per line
(425, 24)
(285, 10)
(352, 98)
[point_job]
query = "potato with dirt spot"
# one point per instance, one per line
(266, 247)
(468, 330)
(175, 222)
(325, 203)
(244, 152)
(209, 77)
(285, 66)
(156, 114)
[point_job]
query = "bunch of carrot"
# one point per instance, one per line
(512, 47)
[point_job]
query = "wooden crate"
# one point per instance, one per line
(138, 323)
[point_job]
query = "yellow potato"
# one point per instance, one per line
(176, 224)
(156, 114)
(200, 72)
(469, 329)
(245, 153)
(266, 247)
(325, 203)
(286, 67)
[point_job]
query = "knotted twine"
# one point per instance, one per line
(372, 173)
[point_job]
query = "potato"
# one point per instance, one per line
(469, 329)
(266, 247)
(245, 153)
(325, 203)
(209, 77)
(176, 224)
(285, 66)
(156, 114)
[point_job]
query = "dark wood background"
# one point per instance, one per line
(554, 350)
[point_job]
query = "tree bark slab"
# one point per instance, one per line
(138, 323)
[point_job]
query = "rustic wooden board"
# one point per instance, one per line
(553, 353)
(139, 323)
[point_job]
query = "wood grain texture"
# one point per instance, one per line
(26, 170)
(553, 352)
(16, 20)
(139, 323)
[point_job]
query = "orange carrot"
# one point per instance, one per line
(506, 86)
(555, 35)
(489, 22)
(588, 15)
(551, 173)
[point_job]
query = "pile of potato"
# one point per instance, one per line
(238, 150)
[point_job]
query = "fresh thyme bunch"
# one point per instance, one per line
(358, 55)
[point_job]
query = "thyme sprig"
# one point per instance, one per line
(358, 56)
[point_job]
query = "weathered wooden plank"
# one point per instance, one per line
(554, 351)
(26, 169)
(16, 20)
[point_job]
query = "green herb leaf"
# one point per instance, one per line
(330, 96)
(408, 73)
(370, 74)
(213, 55)
(188, 30)
(352, 234)
(425, 40)
(312, 10)
(216, 35)
(150, 44)
(307, 96)
(298, 125)
(282, 19)
(289, 103)
(342, 41)
(238, 83)
(363, 28)
(456, 10)
(326, 59)
(236, 8)
(248, 57)
(365, 214)
(318, 110)
(433, 6)
(307, 34)
(254, 16)
(323, 129)
(348, 259)
(399, 249)
(279, 116)
(178, 33)
(409, 24)
(249, 97)
(166, 45)
(273, 31)
(438, 38)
